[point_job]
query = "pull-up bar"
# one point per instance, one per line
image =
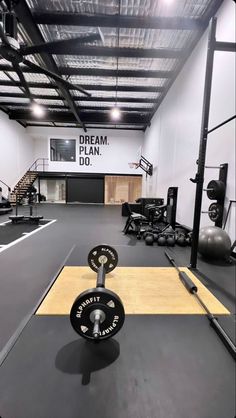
(221, 124)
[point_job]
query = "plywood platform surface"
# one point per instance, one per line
(143, 290)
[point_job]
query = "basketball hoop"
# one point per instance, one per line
(133, 165)
(144, 164)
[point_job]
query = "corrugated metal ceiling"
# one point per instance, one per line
(135, 83)
(186, 8)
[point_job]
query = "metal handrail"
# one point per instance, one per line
(8, 188)
(35, 164)
(5, 184)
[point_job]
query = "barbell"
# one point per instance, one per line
(98, 313)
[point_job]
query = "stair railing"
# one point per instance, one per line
(40, 162)
(8, 188)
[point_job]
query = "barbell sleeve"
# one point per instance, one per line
(187, 282)
(192, 288)
(96, 326)
(185, 279)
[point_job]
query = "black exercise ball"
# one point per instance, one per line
(214, 243)
(161, 241)
(170, 241)
(149, 240)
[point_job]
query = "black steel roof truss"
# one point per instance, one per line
(96, 114)
(87, 116)
(96, 72)
(25, 17)
(145, 22)
(83, 99)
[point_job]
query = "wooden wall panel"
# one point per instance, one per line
(120, 189)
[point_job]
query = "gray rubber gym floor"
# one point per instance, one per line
(157, 366)
(28, 267)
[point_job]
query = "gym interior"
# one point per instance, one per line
(117, 209)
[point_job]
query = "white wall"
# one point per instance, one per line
(121, 148)
(172, 141)
(16, 150)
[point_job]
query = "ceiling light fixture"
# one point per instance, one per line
(37, 110)
(115, 113)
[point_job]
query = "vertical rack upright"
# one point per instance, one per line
(212, 46)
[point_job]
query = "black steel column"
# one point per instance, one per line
(203, 142)
(66, 178)
(222, 177)
(39, 191)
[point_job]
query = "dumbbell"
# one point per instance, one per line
(98, 313)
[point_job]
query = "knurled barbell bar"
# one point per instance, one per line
(98, 313)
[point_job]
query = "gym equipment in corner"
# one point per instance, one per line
(16, 218)
(5, 206)
(163, 237)
(139, 215)
(32, 198)
(164, 213)
(214, 243)
(134, 221)
(161, 221)
(192, 288)
(166, 237)
(216, 191)
(215, 212)
(181, 239)
(33, 217)
(183, 236)
(98, 313)
(149, 240)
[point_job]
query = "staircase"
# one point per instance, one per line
(21, 188)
